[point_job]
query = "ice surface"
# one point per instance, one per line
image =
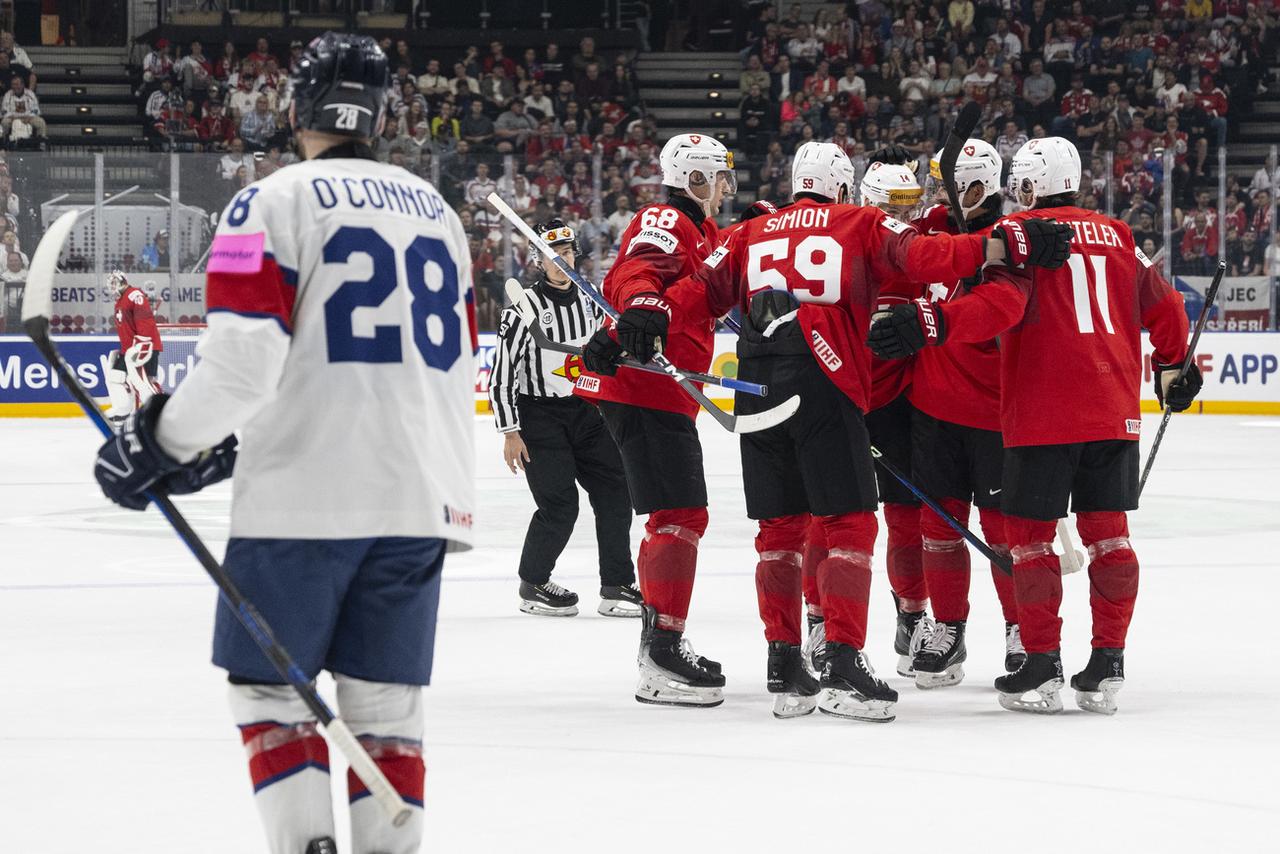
(115, 737)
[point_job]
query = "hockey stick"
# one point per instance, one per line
(520, 302)
(37, 305)
(1002, 561)
(733, 423)
(963, 128)
(1209, 296)
(1071, 560)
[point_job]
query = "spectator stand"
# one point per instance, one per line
(1174, 114)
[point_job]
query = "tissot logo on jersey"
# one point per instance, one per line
(664, 240)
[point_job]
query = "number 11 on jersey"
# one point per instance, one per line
(1080, 291)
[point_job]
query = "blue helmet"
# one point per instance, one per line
(340, 85)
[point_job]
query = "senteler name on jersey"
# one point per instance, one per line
(379, 194)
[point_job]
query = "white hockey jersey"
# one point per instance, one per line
(340, 342)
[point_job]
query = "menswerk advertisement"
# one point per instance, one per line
(1241, 372)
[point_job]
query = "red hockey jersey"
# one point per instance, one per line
(832, 258)
(134, 320)
(891, 377)
(659, 246)
(1071, 358)
(957, 382)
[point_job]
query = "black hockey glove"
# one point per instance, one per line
(642, 328)
(762, 207)
(132, 463)
(601, 354)
(212, 465)
(1178, 394)
(895, 154)
(907, 329)
(1038, 242)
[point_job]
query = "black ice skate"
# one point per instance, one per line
(815, 646)
(547, 600)
(940, 660)
(671, 673)
(913, 628)
(1014, 653)
(1041, 674)
(324, 845)
(796, 688)
(620, 601)
(1097, 685)
(851, 689)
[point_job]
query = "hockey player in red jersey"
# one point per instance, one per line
(807, 279)
(956, 444)
(891, 186)
(1060, 449)
(652, 422)
(131, 377)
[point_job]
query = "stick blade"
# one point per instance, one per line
(769, 418)
(37, 297)
(516, 296)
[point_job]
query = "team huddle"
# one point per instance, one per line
(931, 338)
(939, 343)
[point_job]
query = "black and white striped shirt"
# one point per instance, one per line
(521, 367)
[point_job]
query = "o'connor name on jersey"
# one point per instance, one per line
(379, 194)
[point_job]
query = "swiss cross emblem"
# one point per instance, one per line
(695, 138)
(968, 149)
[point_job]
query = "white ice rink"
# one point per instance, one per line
(115, 737)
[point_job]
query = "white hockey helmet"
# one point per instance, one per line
(690, 160)
(1044, 167)
(893, 188)
(117, 281)
(822, 168)
(978, 163)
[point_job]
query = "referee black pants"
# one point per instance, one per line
(568, 444)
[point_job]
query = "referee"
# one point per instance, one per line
(558, 439)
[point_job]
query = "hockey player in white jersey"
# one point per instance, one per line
(340, 344)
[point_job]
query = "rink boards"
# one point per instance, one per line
(1241, 373)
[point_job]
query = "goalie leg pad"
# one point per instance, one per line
(119, 391)
(1113, 575)
(903, 556)
(1037, 577)
(945, 559)
(778, 585)
(668, 560)
(288, 764)
(844, 577)
(388, 720)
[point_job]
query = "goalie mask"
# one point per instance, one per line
(893, 189)
(117, 282)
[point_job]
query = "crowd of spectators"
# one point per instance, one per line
(1127, 82)
(528, 125)
(21, 125)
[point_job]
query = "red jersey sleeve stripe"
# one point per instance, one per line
(270, 292)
